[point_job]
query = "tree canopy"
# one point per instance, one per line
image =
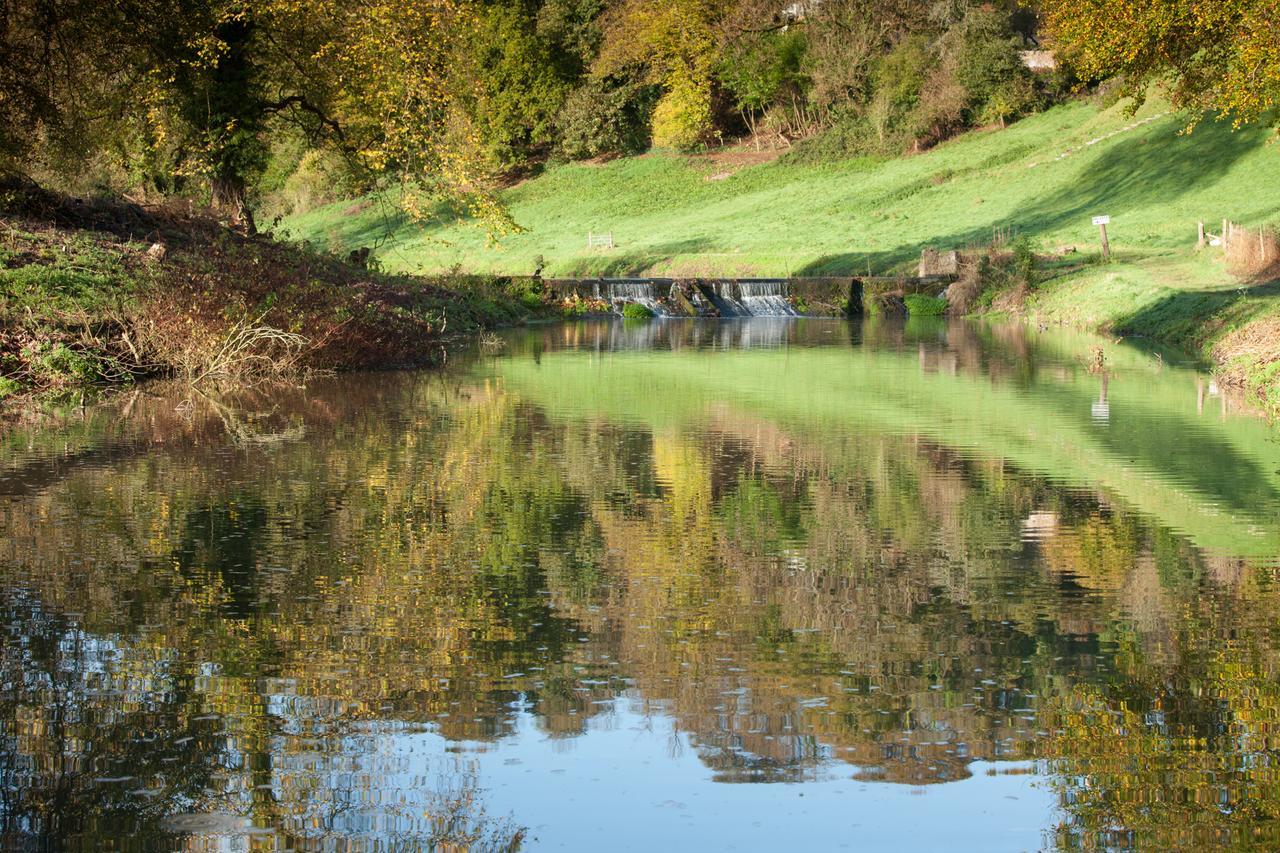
(198, 89)
(275, 105)
(1216, 55)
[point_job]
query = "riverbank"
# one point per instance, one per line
(99, 294)
(1186, 300)
(102, 294)
(1041, 179)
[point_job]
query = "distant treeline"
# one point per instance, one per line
(585, 78)
(276, 105)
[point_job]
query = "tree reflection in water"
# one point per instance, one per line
(902, 550)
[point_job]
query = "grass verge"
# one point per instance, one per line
(1189, 301)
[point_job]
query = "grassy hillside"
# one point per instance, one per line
(705, 215)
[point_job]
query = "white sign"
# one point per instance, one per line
(1102, 220)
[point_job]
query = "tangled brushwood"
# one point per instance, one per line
(1253, 254)
(104, 293)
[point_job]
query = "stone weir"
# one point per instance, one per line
(718, 297)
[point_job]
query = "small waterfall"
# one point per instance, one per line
(724, 296)
(766, 299)
(750, 298)
(641, 292)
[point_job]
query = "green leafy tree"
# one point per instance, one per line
(672, 45)
(605, 116)
(764, 70)
(572, 30)
(988, 63)
(516, 84)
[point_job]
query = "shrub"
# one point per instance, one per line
(636, 311)
(898, 81)
(62, 365)
(1022, 265)
(940, 112)
(965, 291)
(287, 150)
(849, 135)
(320, 177)
(920, 305)
(1012, 98)
(602, 118)
(682, 118)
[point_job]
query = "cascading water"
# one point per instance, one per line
(641, 292)
(766, 299)
(724, 296)
(729, 298)
(750, 298)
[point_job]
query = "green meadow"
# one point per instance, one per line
(1044, 177)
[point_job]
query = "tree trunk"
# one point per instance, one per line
(234, 121)
(229, 199)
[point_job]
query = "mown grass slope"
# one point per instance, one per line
(1045, 177)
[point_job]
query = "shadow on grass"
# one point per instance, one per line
(1183, 316)
(632, 263)
(377, 220)
(1130, 175)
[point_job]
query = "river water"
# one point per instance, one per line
(776, 584)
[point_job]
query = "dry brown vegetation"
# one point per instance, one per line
(106, 292)
(1253, 255)
(963, 294)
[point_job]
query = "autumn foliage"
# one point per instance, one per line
(1220, 56)
(259, 108)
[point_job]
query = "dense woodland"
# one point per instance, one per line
(277, 105)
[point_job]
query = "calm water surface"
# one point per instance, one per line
(707, 586)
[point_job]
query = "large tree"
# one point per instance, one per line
(61, 61)
(1216, 55)
(202, 81)
(674, 45)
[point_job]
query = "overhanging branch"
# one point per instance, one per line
(300, 102)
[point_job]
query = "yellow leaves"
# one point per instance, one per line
(386, 68)
(1219, 56)
(682, 117)
(670, 38)
(676, 43)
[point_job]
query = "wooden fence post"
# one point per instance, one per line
(1199, 235)
(1225, 235)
